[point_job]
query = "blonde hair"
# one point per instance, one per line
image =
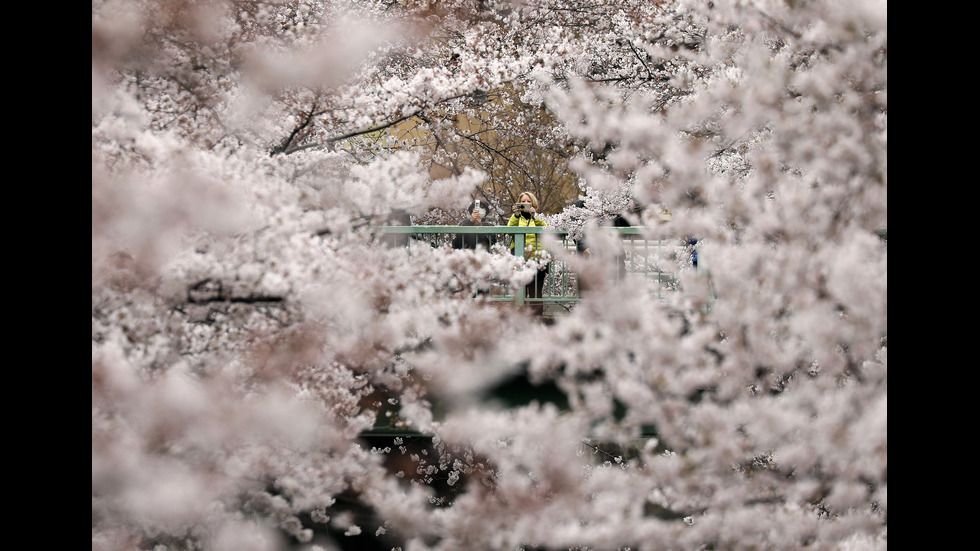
(534, 200)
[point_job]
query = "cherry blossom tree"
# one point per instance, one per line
(250, 331)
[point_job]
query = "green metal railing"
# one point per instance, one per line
(657, 259)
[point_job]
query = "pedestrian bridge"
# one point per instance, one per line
(658, 260)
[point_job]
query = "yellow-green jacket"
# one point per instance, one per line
(532, 245)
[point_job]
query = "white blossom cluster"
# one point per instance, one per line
(269, 373)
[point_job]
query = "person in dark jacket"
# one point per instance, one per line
(478, 212)
(691, 243)
(618, 221)
(580, 245)
(397, 217)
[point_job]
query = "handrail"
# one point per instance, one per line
(647, 255)
(517, 231)
(629, 230)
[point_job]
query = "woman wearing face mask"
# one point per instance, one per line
(524, 215)
(478, 213)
